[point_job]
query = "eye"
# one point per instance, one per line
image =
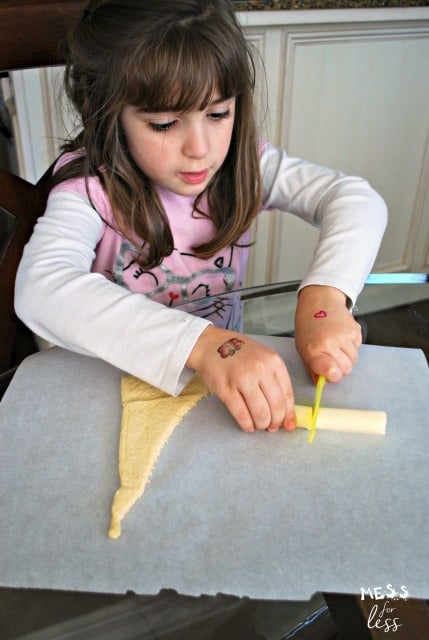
(162, 127)
(219, 115)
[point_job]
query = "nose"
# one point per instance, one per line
(196, 141)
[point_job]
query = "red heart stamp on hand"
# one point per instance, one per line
(320, 314)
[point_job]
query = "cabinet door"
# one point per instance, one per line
(355, 100)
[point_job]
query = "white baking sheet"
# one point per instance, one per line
(261, 515)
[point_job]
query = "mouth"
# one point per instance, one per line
(194, 177)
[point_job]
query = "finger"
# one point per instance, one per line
(280, 396)
(259, 408)
(237, 407)
(351, 344)
(264, 400)
(276, 400)
(356, 335)
(332, 366)
(250, 409)
(347, 355)
(289, 419)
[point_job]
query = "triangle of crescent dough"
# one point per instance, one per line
(149, 417)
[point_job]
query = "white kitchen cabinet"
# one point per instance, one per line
(352, 95)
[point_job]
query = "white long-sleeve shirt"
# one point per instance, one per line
(78, 285)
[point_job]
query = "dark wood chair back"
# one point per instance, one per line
(31, 33)
(21, 203)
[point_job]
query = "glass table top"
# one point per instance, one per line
(269, 309)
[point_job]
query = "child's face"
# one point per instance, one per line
(180, 151)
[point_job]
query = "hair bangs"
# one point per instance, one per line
(182, 72)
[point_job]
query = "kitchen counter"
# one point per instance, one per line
(262, 5)
(285, 5)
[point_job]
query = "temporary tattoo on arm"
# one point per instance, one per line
(230, 347)
(320, 314)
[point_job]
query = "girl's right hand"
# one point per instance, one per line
(250, 378)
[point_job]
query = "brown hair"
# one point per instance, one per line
(161, 55)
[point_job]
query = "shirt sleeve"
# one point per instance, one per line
(351, 215)
(62, 301)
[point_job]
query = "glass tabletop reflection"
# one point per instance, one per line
(270, 309)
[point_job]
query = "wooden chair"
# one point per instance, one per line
(31, 32)
(30, 36)
(21, 203)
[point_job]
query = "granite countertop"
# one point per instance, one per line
(277, 5)
(274, 5)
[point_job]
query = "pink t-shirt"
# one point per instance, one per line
(182, 277)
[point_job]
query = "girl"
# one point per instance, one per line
(152, 204)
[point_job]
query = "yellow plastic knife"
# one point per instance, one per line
(317, 399)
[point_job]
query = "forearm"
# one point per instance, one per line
(351, 215)
(62, 301)
(350, 237)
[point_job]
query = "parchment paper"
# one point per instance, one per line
(261, 515)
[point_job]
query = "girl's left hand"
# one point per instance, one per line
(326, 334)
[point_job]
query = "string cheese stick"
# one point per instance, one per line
(346, 420)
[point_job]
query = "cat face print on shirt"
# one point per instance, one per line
(186, 281)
